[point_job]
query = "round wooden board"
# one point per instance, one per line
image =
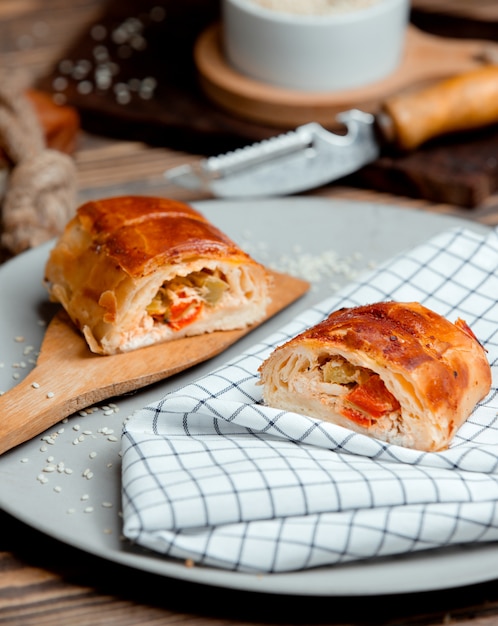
(426, 58)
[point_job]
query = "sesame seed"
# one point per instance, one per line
(65, 66)
(157, 14)
(81, 69)
(138, 42)
(123, 97)
(59, 83)
(35, 385)
(50, 394)
(134, 84)
(149, 82)
(103, 78)
(119, 35)
(85, 87)
(98, 32)
(101, 53)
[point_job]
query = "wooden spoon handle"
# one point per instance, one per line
(463, 102)
(36, 403)
(68, 377)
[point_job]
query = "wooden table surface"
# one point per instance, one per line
(45, 582)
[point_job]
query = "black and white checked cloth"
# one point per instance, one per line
(210, 474)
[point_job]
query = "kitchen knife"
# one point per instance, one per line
(311, 156)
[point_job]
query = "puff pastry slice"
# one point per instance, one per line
(136, 270)
(395, 371)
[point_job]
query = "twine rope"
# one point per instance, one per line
(40, 196)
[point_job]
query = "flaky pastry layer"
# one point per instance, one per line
(395, 371)
(134, 271)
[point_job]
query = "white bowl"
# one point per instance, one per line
(328, 52)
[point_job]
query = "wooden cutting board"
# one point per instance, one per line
(426, 58)
(180, 113)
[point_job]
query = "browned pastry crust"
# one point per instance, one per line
(395, 371)
(136, 270)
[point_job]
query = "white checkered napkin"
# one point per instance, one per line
(211, 474)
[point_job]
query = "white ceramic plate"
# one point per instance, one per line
(66, 483)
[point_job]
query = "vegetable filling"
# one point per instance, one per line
(179, 302)
(366, 398)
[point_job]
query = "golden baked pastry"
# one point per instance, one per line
(395, 371)
(134, 271)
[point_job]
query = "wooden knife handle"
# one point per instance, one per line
(463, 102)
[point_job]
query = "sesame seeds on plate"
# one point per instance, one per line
(326, 269)
(65, 475)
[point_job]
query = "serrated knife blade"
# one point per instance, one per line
(311, 156)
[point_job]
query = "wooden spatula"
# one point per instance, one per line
(69, 377)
